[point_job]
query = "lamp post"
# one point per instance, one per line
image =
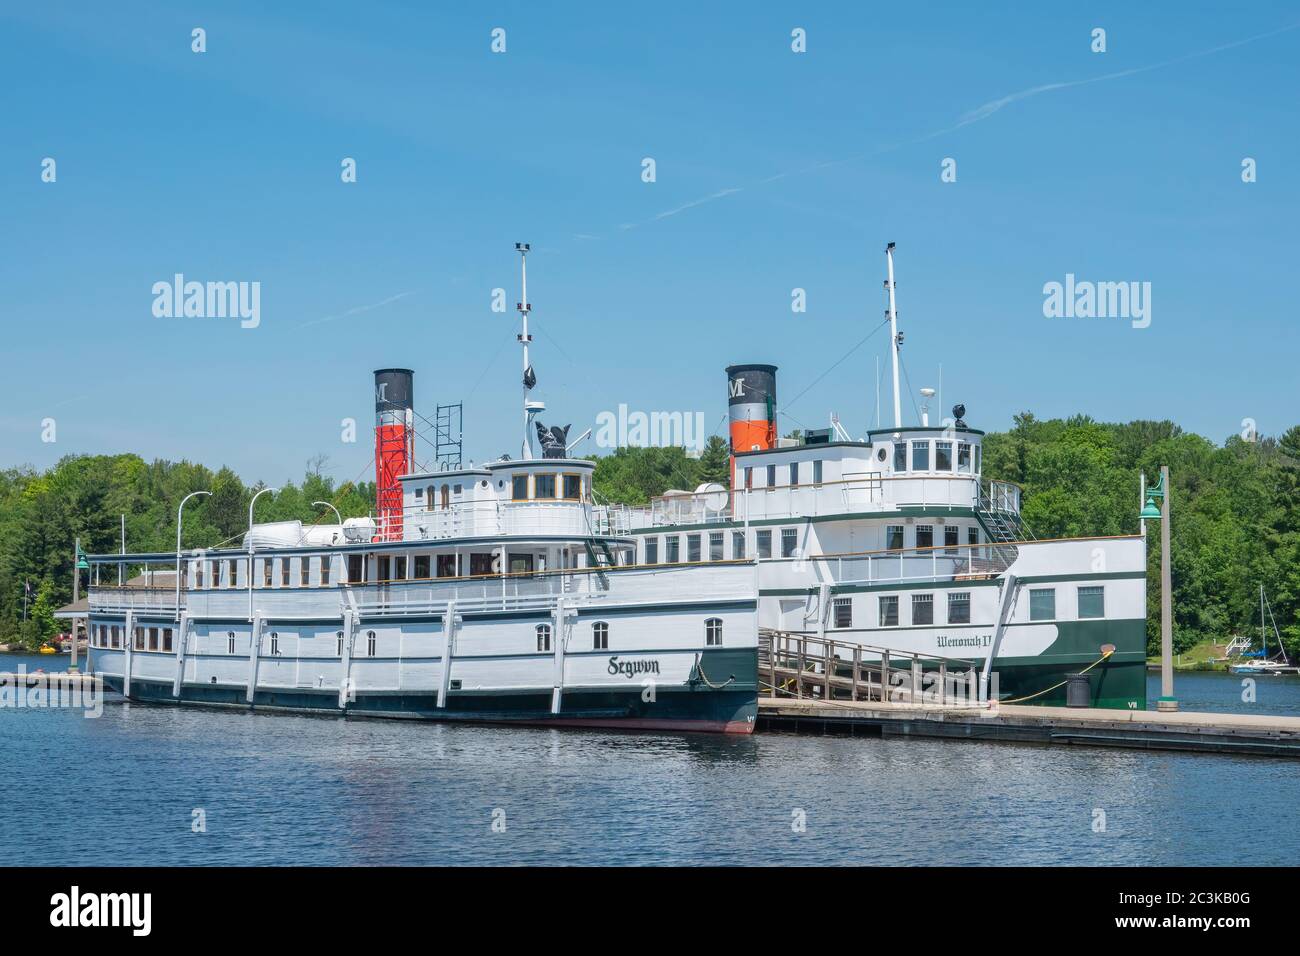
(248, 539)
(179, 509)
(331, 508)
(1166, 701)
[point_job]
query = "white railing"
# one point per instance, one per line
(937, 564)
(115, 599)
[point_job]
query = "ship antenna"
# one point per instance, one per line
(524, 338)
(896, 339)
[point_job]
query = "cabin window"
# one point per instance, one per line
(692, 547)
(738, 545)
(339, 636)
(230, 642)
(817, 472)
(139, 638)
(972, 535)
(651, 550)
(672, 553)
(446, 565)
(943, 456)
(789, 542)
(1092, 602)
(519, 487)
(521, 564)
(422, 566)
(951, 537)
(889, 611)
(771, 476)
(117, 637)
(600, 636)
(543, 638)
(715, 545)
(894, 537)
(370, 643)
(167, 639)
(284, 572)
(356, 568)
(925, 535)
(543, 486)
(198, 574)
(304, 572)
(482, 563)
(446, 497)
(428, 498)
(843, 608)
(794, 473)
(384, 570)
(1042, 604)
(920, 456)
(153, 638)
(977, 459)
(900, 456)
(266, 572)
(324, 571)
(922, 608)
(764, 540)
(713, 632)
(275, 642)
(749, 478)
(959, 607)
(573, 487)
(963, 457)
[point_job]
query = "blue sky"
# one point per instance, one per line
(225, 166)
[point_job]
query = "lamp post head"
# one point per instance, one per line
(1150, 511)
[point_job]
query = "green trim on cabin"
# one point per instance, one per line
(955, 585)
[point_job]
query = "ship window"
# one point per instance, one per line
(972, 535)
(771, 476)
(230, 642)
(764, 541)
(713, 632)
(894, 537)
(749, 478)
(275, 642)
(446, 565)
(951, 536)
(715, 545)
(232, 575)
(1042, 604)
(356, 568)
(963, 457)
(304, 572)
(573, 487)
(977, 459)
(881, 453)
(266, 572)
(324, 570)
(924, 535)
(153, 638)
(817, 472)
(943, 456)
(421, 566)
(889, 611)
(370, 643)
(959, 607)
(692, 547)
(900, 456)
(428, 498)
(446, 497)
(600, 636)
(339, 636)
(651, 550)
(920, 456)
(1092, 602)
(483, 563)
(789, 542)
(139, 638)
(672, 546)
(794, 473)
(167, 639)
(843, 612)
(738, 545)
(922, 608)
(284, 572)
(544, 486)
(543, 638)
(198, 574)
(519, 487)
(117, 637)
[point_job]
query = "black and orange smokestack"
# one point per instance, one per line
(394, 446)
(751, 407)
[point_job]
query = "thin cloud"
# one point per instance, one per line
(356, 311)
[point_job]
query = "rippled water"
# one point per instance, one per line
(316, 790)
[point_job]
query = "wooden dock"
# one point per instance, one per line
(1256, 735)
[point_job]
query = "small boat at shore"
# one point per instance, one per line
(1261, 662)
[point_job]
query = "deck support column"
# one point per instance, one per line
(345, 666)
(449, 622)
(254, 651)
(129, 638)
(182, 635)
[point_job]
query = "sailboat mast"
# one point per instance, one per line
(894, 338)
(524, 339)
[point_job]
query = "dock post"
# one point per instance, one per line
(916, 678)
(884, 676)
(828, 667)
(803, 659)
(857, 671)
(943, 684)
(771, 658)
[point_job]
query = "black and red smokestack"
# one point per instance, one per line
(394, 446)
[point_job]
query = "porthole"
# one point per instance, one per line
(880, 455)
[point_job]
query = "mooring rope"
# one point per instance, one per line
(699, 670)
(1017, 700)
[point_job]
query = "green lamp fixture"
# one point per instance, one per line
(82, 563)
(1151, 510)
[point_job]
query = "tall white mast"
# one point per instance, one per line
(524, 339)
(894, 338)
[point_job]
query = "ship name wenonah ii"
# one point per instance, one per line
(512, 592)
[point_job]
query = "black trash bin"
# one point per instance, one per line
(1078, 690)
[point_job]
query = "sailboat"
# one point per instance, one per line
(1261, 663)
